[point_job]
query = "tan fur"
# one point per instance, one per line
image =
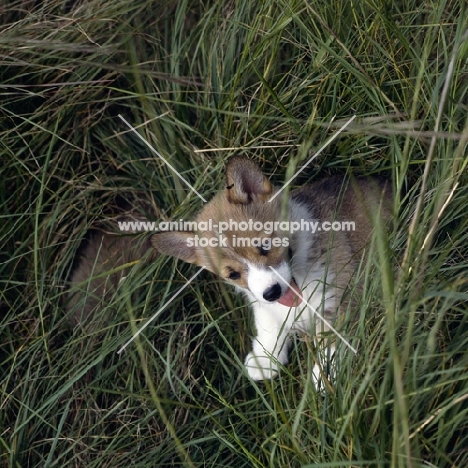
(360, 201)
(323, 262)
(363, 201)
(99, 270)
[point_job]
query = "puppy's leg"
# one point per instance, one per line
(270, 346)
(327, 366)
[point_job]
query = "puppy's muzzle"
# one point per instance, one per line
(273, 293)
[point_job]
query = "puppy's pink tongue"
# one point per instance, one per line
(289, 299)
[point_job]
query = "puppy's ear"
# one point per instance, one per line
(177, 244)
(245, 182)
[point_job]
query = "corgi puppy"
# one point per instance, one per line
(292, 256)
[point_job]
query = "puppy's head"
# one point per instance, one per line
(238, 236)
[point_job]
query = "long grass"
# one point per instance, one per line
(201, 82)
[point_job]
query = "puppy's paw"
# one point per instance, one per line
(260, 367)
(323, 376)
(317, 376)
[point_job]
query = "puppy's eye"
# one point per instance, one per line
(263, 251)
(234, 275)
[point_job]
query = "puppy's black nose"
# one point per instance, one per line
(273, 293)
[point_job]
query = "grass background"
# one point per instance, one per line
(203, 81)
